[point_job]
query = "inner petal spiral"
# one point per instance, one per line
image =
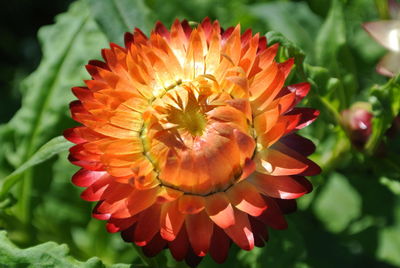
(190, 133)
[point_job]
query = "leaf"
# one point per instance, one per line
(115, 17)
(332, 52)
(331, 36)
(389, 241)
(51, 148)
(385, 107)
(67, 46)
(294, 20)
(392, 185)
(338, 204)
(293, 50)
(49, 254)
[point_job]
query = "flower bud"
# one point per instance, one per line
(357, 122)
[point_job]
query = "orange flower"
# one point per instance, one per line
(188, 140)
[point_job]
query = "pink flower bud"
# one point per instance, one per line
(357, 121)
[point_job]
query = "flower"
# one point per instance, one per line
(358, 122)
(188, 140)
(387, 33)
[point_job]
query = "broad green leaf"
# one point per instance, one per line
(115, 17)
(331, 37)
(385, 105)
(332, 52)
(294, 20)
(67, 46)
(49, 254)
(338, 204)
(51, 148)
(389, 241)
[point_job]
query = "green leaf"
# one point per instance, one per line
(331, 36)
(294, 20)
(67, 46)
(115, 17)
(293, 50)
(51, 148)
(338, 204)
(385, 106)
(49, 254)
(392, 185)
(333, 53)
(389, 240)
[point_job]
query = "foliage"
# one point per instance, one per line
(351, 219)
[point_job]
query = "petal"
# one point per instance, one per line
(85, 178)
(199, 229)
(241, 232)
(180, 245)
(273, 215)
(148, 225)
(312, 168)
(155, 246)
(385, 32)
(245, 197)
(72, 135)
(137, 202)
(298, 143)
(95, 191)
(171, 221)
(308, 115)
(190, 204)
(219, 246)
(260, 232)
(274, 162)
(284, 187)
(118, 225)
(220, 210)
(389, 64)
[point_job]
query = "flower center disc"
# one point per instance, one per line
(190, 140)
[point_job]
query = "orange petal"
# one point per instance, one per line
(241, 232)
(199, 228)
(167, 194)
(284, 187)
(148, 225)
(190, 204)
(171, 221)
(180, 245)
(137, 202)
(220, 210)
(274, 162)
(245, 197)
(273, 216)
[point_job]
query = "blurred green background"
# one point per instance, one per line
(351, 219)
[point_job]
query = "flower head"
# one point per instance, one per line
(188, 140)
(387, 33)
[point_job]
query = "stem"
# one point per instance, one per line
(149, 262)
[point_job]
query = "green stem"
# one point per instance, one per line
(149, 262)
(383, 9)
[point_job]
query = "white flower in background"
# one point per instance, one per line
(387, 33)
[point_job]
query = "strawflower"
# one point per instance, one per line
(387, 33)
(188, 140)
